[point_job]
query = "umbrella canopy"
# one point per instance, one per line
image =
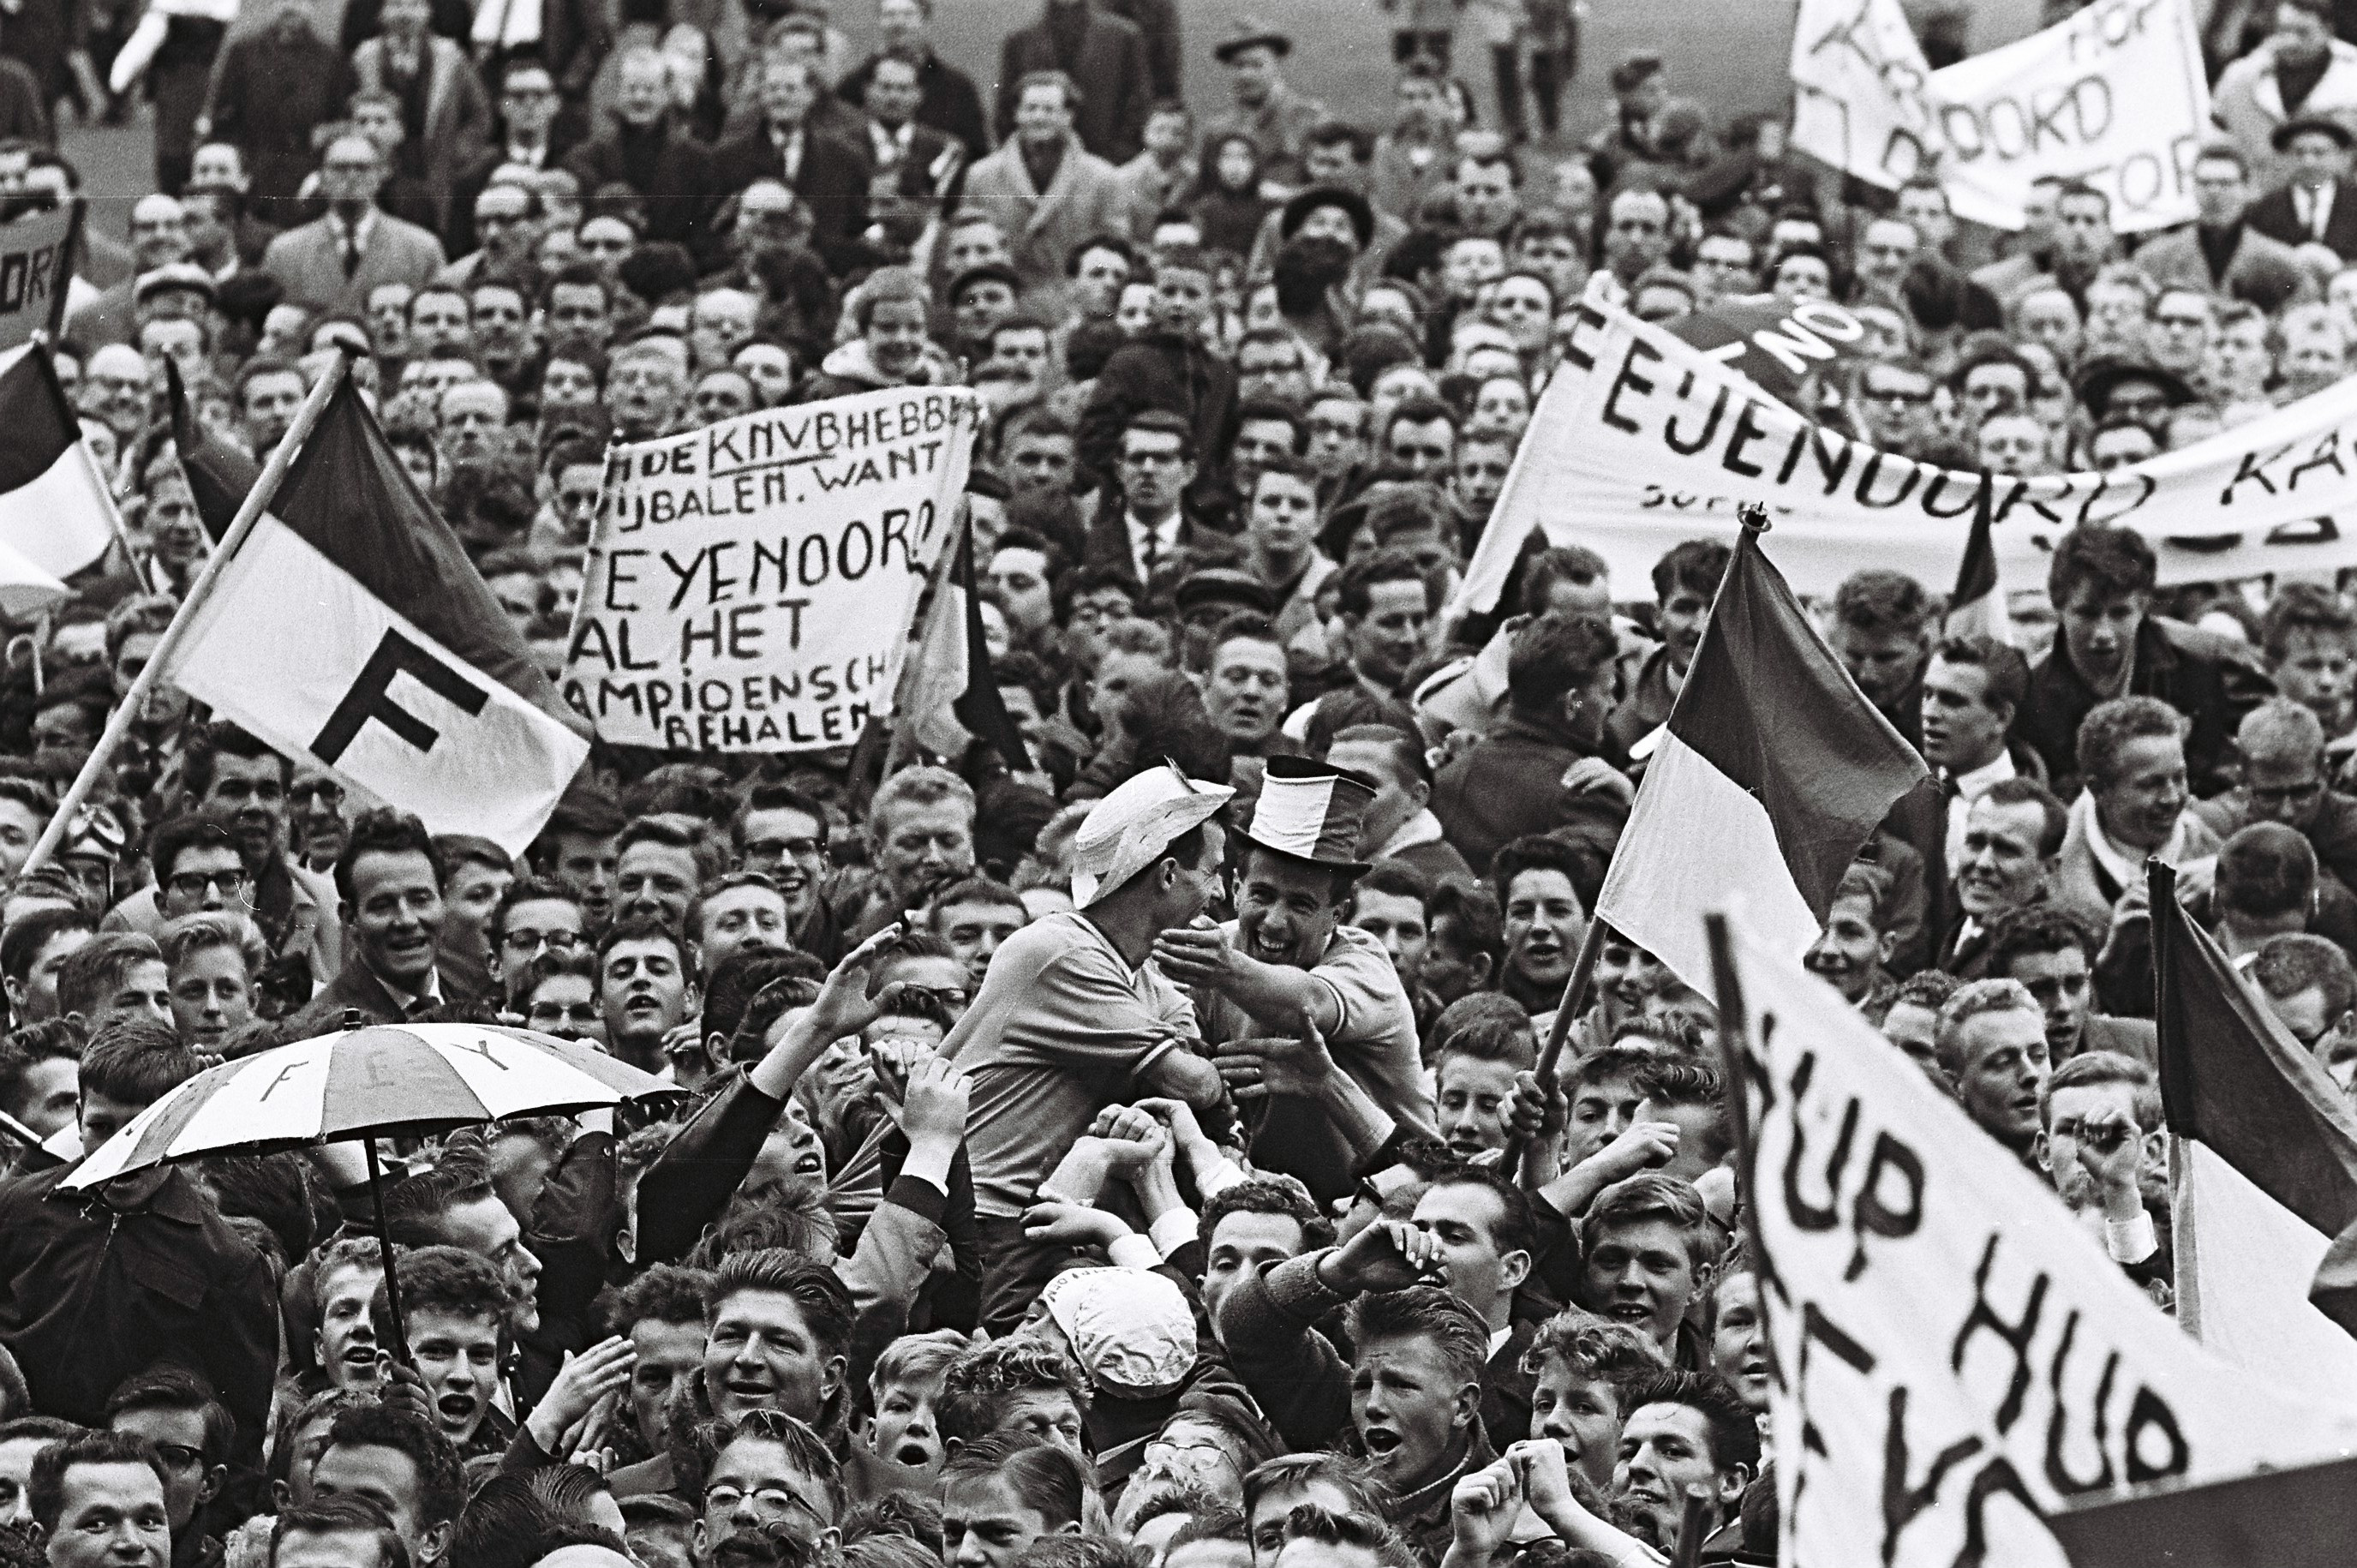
(384, 1080)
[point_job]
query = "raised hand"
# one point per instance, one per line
(844, 1005)
(1390, 1254)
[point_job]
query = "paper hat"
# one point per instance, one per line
(1130, 828)
(1311, 811)
(1131, 1328)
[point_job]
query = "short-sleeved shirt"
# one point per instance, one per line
(1376, 1041)
(1060, 1027)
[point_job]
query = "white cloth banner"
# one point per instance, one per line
(2113, 95)
(751, 585)
(1953, 1355)
(1641, 441)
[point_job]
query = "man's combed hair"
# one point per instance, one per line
(975, 1387)
(1972, 1001)
(1366, 1531)
(1277, 1195)
(443, 1279)
(441, 1484)
(2287, 965)
(1647, 1197)
(664, 1294)
(1044, 1476)
(2091, 1068)
(1597, 1349)
(135, 1061)
(1733, 1432)
(414, 1210)
(2112, 727)
(45, 1490)
(100, 966)
(384, 830)
(1426, 1313)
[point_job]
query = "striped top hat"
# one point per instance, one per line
(1311, 811)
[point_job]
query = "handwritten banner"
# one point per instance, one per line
(751, 585)
(36, 264)
(2113, 95)
(1641, 441)
(1953, 1355)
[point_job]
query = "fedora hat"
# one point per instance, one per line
(1129, 829)
(2311, 125)
(1247, 33)
(1308, 810)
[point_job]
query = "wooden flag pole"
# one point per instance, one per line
(118, 723)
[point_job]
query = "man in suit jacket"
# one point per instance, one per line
(390, 881)
(2221, 253)
(458, 123)
(947, 100)
(533, 136)
(1046, 190)
(827, 176)
(2318, 206)
(1086, 45)
(920, 161)
(332, 261)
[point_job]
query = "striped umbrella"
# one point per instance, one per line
(387, 1079)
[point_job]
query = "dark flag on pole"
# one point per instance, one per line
(949, 693)
(1977, 607)
(219, 474)
(2264, 1163)
(1772, 745)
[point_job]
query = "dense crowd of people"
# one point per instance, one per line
(1142, 1158)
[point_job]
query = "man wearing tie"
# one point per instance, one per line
(2318, 206)
(1972, 688)
(334, 260)
(827, 175)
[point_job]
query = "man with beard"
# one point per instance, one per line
(236, 780)
(1992, 1046)
(1853, 949)
(1538, 881)
(2100, 1142)
(1287, 963)
(1547, 769)
(2111, 645)
(1685, 1431)
(1413, 1391)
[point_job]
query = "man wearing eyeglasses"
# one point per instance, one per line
(772, 1475)
(2284, 782)
(781, 832)
(1895, 404)
(189, 1429)
(536, 916)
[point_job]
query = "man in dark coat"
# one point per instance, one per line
(947, 99)
(1168, 369)
(2109, 644)
(829, 176)
(646, 148)
(1543, 770)
(2318, 206)
(97, 1285)
(1104, 54)
(271, 88)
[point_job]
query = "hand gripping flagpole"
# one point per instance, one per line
(118, 723)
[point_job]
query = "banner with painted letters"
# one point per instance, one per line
(2113, 95)
(36, 264)
(1641, 441)
(1953, 1355)
(751, 585)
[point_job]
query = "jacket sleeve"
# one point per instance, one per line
(692, 1179)
(1303, 1386)
(896, 1248)
(572, 1233)
(240, 1352)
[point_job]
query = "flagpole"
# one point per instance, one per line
(1574, 993)
(118, 723)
